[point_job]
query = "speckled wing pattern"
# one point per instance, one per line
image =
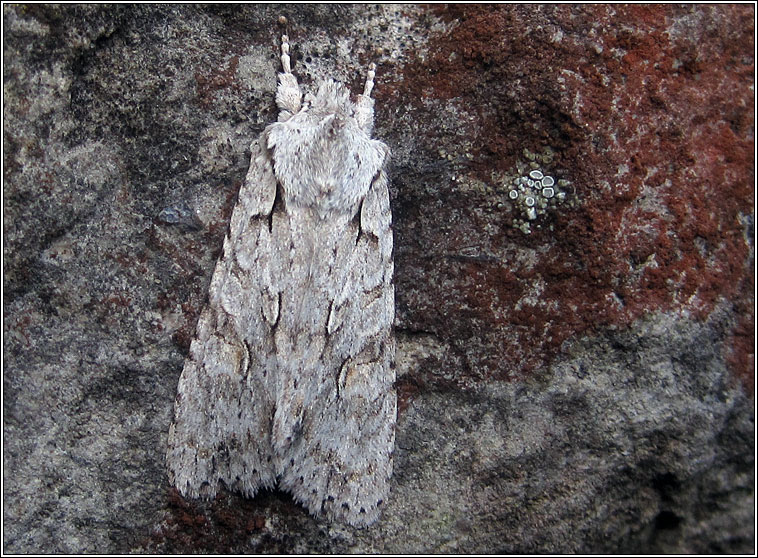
(290, 379)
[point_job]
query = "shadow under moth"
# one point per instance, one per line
(290, 379)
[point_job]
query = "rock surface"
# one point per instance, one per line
(578, 382)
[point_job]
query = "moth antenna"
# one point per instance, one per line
(286, 54)
(288, 96)
(369, 80)
(364, 106)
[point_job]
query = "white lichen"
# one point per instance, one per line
(533, 192)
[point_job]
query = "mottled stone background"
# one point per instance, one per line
(587, 387)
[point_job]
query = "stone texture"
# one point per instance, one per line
(587, 387)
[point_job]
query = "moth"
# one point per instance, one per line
(290, 379)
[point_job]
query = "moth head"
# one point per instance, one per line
(332, 98)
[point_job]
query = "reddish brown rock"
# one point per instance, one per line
(649, 110)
